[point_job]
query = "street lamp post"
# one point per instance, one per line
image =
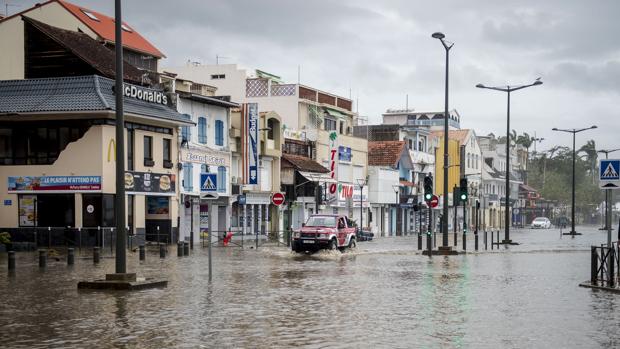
(361, 182)
(444, 223)
(508, 89)
(121, 233)
(572, 210)
(396, 191)
(608, 218)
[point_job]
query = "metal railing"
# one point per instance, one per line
(605, 265)
(229, 238)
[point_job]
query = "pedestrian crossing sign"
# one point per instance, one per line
(208, 182)
(609, 171)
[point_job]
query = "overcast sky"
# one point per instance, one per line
(382, 50)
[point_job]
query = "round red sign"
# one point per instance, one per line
(434, 201)
(277, 199)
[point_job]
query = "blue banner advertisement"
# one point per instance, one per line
(252, 143)
(54, 183)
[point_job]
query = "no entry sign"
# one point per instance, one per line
(434, 201)
(277, 199)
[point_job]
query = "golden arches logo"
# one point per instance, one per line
(112, 149)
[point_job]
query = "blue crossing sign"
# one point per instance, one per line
(609, 174)
(208, 182)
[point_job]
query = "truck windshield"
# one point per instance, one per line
(319, 221)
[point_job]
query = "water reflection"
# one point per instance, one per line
(384, 294)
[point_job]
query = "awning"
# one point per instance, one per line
(317, 177)
(335, 113)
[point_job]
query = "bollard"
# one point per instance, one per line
(96, 255)
(455, 238)
(42, 258)
(186, 248)
(434, 239)
(142, 250)
(498, 239)
(419, 240)
(70, 256)
(476, 241)
(593, 265)
(491, 239)
(180, 249)
(429, 243)
(611, 261)
(485, 240)
(162, 251)
(11, 260)
(464, 242)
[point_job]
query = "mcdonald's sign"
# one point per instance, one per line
(112, 149)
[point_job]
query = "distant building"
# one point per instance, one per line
(308, 115)
(18, 60)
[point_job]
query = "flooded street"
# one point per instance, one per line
(384, 294)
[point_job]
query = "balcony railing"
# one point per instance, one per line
(433, 122)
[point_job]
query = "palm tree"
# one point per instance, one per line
(526, 141)
(590, 156)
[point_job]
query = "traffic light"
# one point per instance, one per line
(463, 189)
(428, 188)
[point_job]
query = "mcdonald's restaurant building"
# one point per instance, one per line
(58, 158)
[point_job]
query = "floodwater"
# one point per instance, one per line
(383, 295)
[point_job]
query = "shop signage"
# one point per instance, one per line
(27, 210)
(148, 182)
(144, 94)
(344, 153)
(251, 143)
(8, 202)
(257, 198)
(208, 157)
(333, 161)
(54, 183)
(345, 191)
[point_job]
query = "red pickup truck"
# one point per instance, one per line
(325, 231)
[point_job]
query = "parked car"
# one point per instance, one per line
(364, 235)
(541, 223)
(324, 231)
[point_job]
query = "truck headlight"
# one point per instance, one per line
(296, 235)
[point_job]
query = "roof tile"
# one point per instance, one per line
(385, 153)
(302, 163)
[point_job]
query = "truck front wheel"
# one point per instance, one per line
(333, 245)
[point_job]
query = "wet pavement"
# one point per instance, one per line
(384, 295)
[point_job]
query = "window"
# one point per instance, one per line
(202, 130)
(204, 168)
(185, 133)
(410, 144)
(167, 153)
(90, 15)
(330, 124)
(219, 132)
(148, 151)
(271, 125)
(167, 149)
(130, 149)
(341, 127)
(188, 179)
(218, 76)
(221, 179)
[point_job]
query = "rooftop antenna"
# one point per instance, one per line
(6, 8)
(217, 59)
